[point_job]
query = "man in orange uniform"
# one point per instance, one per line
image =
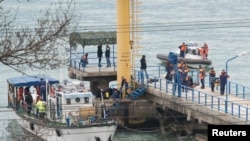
(202, 75)
(205, 51)
(182, 48)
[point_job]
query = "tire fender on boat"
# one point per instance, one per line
(58, 132)
(32, 126)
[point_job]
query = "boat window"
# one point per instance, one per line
(194, 52)
(86, 100)
(77, 100)
(68, 101)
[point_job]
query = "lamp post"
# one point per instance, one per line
(243, 53)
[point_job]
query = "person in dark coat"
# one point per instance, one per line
(223, 81)
(184, 79)
(144, 65)
(169, 69)
(99, 54)
(212, 75)
(107, 55)
(29, 101)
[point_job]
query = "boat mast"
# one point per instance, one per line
(103, 105)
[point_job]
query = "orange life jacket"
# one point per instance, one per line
(202, 73)
(183, 47)
(206, 50)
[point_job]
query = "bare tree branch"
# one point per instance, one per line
(41, 47)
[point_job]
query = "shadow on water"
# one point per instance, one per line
(19, 134)
(134, 136)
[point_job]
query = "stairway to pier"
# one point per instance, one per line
(138, 92)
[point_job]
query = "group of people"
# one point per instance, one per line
(40, 105)
(124, 83)
(108, 93)
(84, 59)
(183, 70)
(202, 51)
(26, 99)
(187, 80)
(222, 79)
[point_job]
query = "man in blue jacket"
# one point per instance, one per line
(223, 81)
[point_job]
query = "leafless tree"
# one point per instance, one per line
(41, 46)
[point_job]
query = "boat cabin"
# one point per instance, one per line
(192, 48)
(71, 101)
(74, 93)
(19, 87)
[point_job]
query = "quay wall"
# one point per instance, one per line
(192, 110)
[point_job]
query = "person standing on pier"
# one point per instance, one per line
(170, 72)
(202, 75)
(99, 55)
(223, 81)
(144, 66)
(124, 83)
(212, 75)
(107, 55)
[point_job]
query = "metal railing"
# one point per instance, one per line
(93, 62)
(214, 102)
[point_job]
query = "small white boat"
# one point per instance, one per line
(192, 56)
(70, 111)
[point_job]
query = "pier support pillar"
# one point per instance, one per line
(123, 38)
(189, 115)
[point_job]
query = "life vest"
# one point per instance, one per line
(40, 106)
(202, 73)
(203, 52)
(183, 47)
(206, 50)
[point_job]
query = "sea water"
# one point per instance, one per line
(223, 25)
